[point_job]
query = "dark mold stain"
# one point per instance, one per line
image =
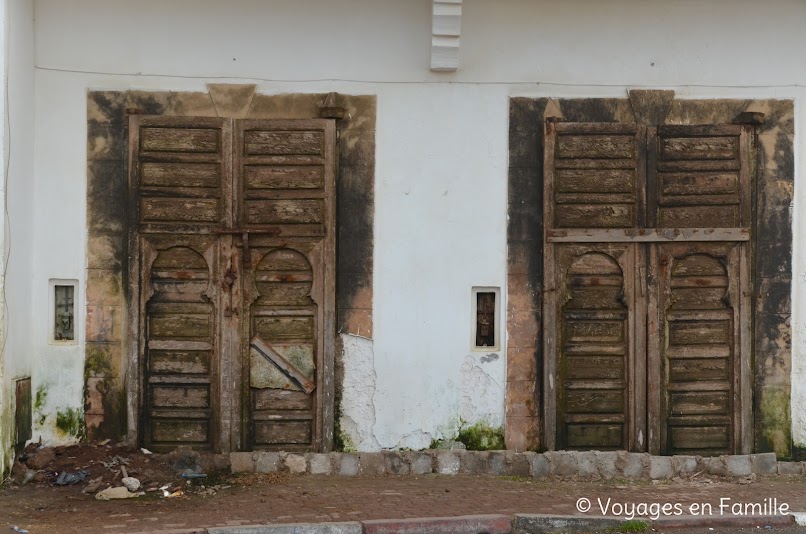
(106, 179)
(773, 333)
(779, 114)
(650, 107)
(705, 111)
(592, 109)
(784, 157)
(774, 296)
(110, 107)
(525, 220)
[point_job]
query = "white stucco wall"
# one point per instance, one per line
(441, 170)
(17, 172)
(5, 400)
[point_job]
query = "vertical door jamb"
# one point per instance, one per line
(746, 174)
(326, 396)
(225, 438)
(134, 370)
(549, 293)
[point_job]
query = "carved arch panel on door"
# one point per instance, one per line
(702, 331)
(595, 337)
(180, 354)
(283, 349)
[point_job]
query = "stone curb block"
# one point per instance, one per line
(537, 523)
(504, 524)
(315, 528)
(468, 524)
(585, 465)
(790, 468)
(729, 521)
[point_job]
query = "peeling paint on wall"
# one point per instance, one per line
(481, 390)
(357, 417)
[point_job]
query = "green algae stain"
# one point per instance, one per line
(482, 437)
(775, 422)
(70, 422)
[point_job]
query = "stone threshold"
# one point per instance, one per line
(588, 465)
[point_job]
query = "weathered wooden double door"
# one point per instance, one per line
(647, 288)
(232, 281)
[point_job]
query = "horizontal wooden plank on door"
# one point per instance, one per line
(648, 235)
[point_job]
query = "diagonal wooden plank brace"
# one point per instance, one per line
(280, 361)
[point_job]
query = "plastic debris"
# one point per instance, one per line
(166, 493)
(131, 483)
(29, 476)
(15, 528)
(68, 479)
(146, 451)
(119, 492)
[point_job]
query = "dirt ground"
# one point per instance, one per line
(229, 500)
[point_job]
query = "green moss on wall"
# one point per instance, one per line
(40, 397)
(482, 437)
(97, 363)
(775, 424)
(70, 421)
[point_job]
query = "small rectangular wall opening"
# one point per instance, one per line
(62, 319)
(486, 331)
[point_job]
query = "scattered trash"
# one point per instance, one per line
(146, 451)
(15, 528)
(93, 485)
(192, 476)
(68, 479)
(212, 490)
(120, 492)
(131, 483)
(104, 442)
(168, 494)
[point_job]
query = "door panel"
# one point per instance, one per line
(597, 175)
(283, 345)
(180, 352)
(284, 195)
(699, 176)
(594, 329)
(647, 287)
(699, 310)
(233, 249)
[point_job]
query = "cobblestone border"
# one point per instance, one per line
(588, 465)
